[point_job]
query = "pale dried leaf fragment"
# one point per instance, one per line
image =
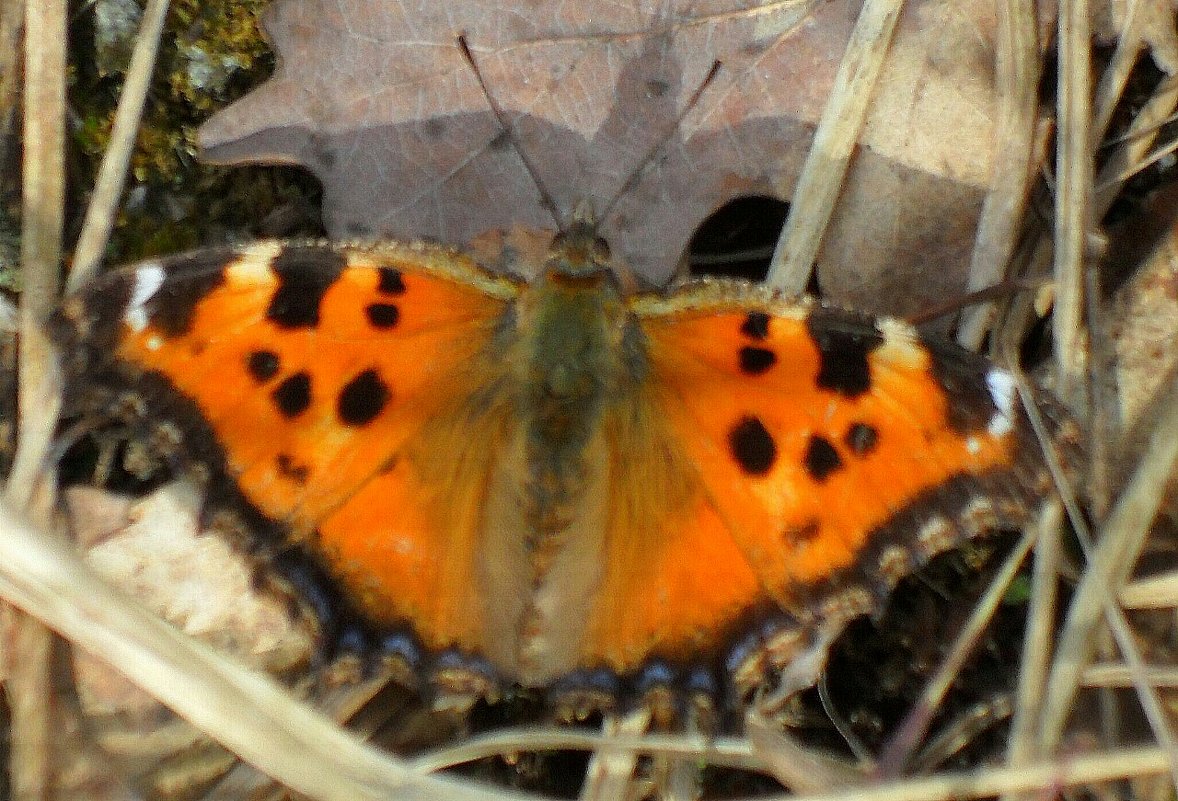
(152, 549)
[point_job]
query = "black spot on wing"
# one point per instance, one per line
(287, 468)
(844, 340)
(961, 375)
(803, 534)
(390, 282)
(304, 273)
(821, 459)
(755, 361)
(755, 325)
(293, 395)
(262, 365)
(188, 279)
(752, 446)
(861, 438)
(362, 399)
(382, 315)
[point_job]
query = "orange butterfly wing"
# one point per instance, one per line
(309, 376)
(799, 461)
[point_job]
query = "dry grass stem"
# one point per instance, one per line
(1032, 675)
(611, 770)
(43, 195)
(801, 769)
(108, 189)
(912, 730)
(43, 214)
(1013, 168)
(1123, 534)
(1155, 592)
(1115, 77)
(246, 712)
(1116, 675)
(826, 164)
(1073, 219)
(1046, 777)
(1125, 161)
(733, 752)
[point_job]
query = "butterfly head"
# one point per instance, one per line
(577, 252)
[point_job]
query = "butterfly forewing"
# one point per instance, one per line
(327, 383)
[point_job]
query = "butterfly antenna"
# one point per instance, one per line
(508, 129)
(636, 173)
(998, 291)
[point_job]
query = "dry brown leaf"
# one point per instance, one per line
(1145, 328)
(378, 101)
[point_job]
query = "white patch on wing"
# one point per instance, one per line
(901, 346)
(897, 330)
(253, 265)
(1001, 386)
(148, 279)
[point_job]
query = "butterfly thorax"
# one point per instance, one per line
(575, 325)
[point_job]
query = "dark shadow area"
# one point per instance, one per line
(737, 240)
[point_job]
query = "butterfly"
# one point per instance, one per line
(560, 483)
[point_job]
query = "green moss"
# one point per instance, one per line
(9, 252)
(212, 53)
